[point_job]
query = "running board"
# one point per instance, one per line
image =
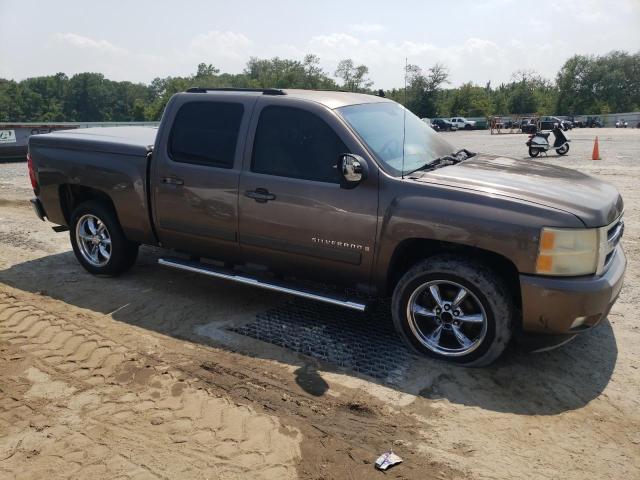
(212, 271)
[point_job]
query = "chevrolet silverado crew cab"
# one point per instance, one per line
(295, 191)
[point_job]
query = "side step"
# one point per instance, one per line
(212, 271)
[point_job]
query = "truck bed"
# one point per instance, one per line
(111, 160)
(119, 140)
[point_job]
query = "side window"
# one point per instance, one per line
(294, 143)
(206, 133)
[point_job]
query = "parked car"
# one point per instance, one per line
(566, 124)
(529, 125)
(593, 122)
(579, 122)
(463, 124)
(352, 190)
(523, 121)
(621, 124)
(547, 123)
(440, 124)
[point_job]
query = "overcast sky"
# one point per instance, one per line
(478, 40)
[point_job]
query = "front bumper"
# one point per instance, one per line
(563, 307)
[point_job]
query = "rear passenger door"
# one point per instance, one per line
(196, 172)
(294, 217)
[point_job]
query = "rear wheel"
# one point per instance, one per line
(533, 152)
(98, 241)
(563, 149)
(454, 309)
(468, 127)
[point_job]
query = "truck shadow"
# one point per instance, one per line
(238, 318)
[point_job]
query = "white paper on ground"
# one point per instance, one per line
(387, 459)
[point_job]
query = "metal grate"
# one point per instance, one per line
(363, 342)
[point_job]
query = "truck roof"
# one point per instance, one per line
(134, 140)
(329, 98)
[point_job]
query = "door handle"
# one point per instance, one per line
(260, 195)
(172, 181)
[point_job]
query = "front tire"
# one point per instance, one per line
(98, 241)
(454, 309)
(533, 152)
(563, 150)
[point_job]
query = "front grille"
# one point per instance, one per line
(614, 233)
(608, 258)
(610, 237)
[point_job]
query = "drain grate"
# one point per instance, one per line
(362, 342)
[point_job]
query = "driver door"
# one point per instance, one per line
(294, 217)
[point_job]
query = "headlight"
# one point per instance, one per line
(567, 251)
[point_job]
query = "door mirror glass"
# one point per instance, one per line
(353, 169)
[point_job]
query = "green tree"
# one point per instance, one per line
(584, 85)
(206, 70)
(314, 76)
(589, 85)
(355, 78)
(422, 89)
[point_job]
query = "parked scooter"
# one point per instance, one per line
(621, 124)
(539, 142)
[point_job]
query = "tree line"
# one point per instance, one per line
(586, 84)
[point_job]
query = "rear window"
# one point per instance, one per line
(206, 133)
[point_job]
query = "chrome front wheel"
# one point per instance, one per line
(446, 318)
(94, 240)
(454, 308)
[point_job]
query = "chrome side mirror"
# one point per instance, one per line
(353, 169)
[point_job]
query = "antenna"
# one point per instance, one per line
(404, 116)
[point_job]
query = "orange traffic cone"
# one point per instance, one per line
(596, 151)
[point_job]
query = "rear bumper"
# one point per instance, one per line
(38, 208)
(559, 308)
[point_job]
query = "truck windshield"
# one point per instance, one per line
(383, 126)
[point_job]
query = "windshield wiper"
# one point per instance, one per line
(452, 159)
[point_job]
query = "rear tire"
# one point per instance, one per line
(98, 241)
(533, 152)
(473, 330)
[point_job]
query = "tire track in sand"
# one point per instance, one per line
(97, 408)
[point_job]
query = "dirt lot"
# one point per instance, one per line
(140, 376)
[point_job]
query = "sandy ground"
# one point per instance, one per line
(135, 377)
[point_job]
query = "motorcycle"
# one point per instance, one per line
(539, 142)
(621, 124)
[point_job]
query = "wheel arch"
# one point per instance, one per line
(410, 251)
(73, 195)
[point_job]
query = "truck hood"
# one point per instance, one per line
(595, 202)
